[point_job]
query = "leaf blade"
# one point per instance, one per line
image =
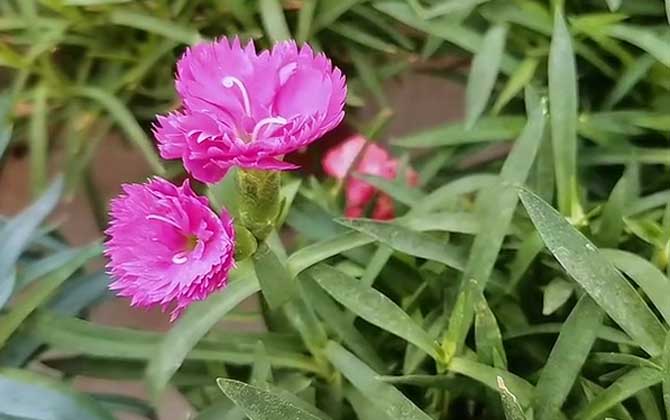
(595, 274)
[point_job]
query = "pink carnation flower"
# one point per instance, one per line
(375, 161)
(166, 246)
(242, 108)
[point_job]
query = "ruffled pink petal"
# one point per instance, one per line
(166, 247)
(249, 109)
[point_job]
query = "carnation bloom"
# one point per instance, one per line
(374, 161)
(166, 246)
(242, 108)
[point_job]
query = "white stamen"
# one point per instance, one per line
(229, 82)
(164, 220)
(179, 258)
(266, 121)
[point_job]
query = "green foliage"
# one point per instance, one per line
(466, 306)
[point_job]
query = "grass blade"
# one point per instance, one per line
(645, 274)
(305, 19)
(644, 39)
(580, 258)
(567, 358)
(42, 291)
(17, 233)
(483, 74)
(193, 325)
(27, 395)
(563, 103)
(39, 142)
(418, 244)
(274, 21)
(384, 396)
(521, 77)
(276, 282)
(260, 404)
(372, 306)
(487, 129)
(513, 410)
(126, 120)
(623, 388)
(496, 207)
(166, 28)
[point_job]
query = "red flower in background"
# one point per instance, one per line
(374, 161)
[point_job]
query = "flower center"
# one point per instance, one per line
(190, 240)
(181, 257)
(229, 82)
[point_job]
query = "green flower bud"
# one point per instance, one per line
(259, 200)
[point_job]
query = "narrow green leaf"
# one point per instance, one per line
(259, 404)
(483, 74)
(363, 407)
(592, 389)
(666, 374)
(650, 279)
(305, 19)
(563, 102)
(379, 21)
(567, 358)
(513, 410)
(302, 316)
(194, 324)
(614, 5)
(5, 123)
(448, 195)
(647, 400)
(397, 189)
(152, 24)
(320, 251)
(126, 120)
(76, 294)
(495, 207)
(580, 258)
(372, 306)
(27, 303)
(362, 37)
(490, 349)
(502, 128)
(17, 233)
(274, 21)
(384, 396)
(644, 39)
(623, 359)
(125, 404)
(376, 264)
(604, 333)
(27, 395)
(277, 284)
(339, 323)
(39, 141)
(418, 244)
(521, 77)
(628, 79)
(116, 343)
(444, 28)
(488, 376)
(446, 221)
(612, 219)
(330, 10)
(623, 388)
(556, 294)
(368, 74)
